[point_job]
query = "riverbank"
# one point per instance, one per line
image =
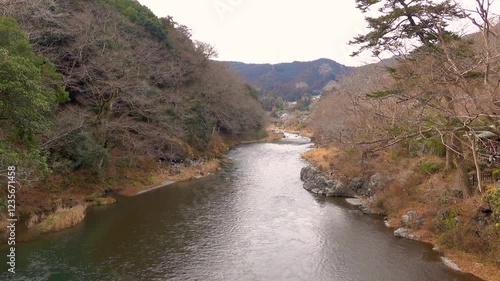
(171, 173)
(61, 200)
(418, 199)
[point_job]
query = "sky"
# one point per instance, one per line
(274, 31)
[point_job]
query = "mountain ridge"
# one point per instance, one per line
(290, 81)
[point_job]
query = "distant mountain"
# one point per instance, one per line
(291, 81)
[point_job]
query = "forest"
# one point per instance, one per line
(289, 82)
(90, 90)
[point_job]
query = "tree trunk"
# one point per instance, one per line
(472, 140)
(462, 176)
(449, 152)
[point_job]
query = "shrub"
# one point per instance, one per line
(142, 15)
(447, 221)
(79, 150)
(493, 198)
(429, 167)
(436, 147)
(261, 134)
(495, 174)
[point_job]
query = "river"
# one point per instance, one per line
(252, 221)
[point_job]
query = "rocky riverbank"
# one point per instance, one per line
(368, 192)
(334, 185)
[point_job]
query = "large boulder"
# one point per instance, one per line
(401, 232)
(319, 183)
(375, 183)
(412, 219)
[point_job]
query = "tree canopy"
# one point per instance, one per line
(439, 88)
(29, 84)
(400, 22)
(30, 87)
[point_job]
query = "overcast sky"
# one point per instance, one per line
(273, 31)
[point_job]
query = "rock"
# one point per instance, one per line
(354, 201)
(365, 206)
(188, 162)
(387, 222)
(316, 182)
(486, 209)
(331, 186)
(449, 263)
(412, 219)
(356, 185)
(375, 183)
(401, 232)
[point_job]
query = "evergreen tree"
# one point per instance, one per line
(402, 22)
(29, 88)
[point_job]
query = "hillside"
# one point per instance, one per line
(291, 81)
(427, 126)
(96, 92)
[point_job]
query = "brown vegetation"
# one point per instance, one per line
(141, 92)
(465, 233)
(62, 218)
(420, 119)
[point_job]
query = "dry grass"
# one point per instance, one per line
(196, 171)
(421, 184)
(104, 201)
(349, 163)
(62, 218)
(273, 136)
(470, 263)
(321, 157)
(449, 221)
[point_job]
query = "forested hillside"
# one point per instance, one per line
(92, 86)
(290, 81)
(428, 120)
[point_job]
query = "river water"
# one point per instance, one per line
(253, 221)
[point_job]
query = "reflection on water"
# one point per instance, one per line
(254, 221)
